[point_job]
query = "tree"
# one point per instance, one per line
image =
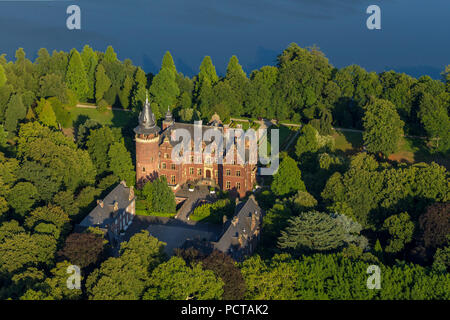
(102, 83)
(288, 178)
(46, 114)
(52, 85)
(83, 249)
(15, 112)
(164, 90)
(98, 145)
(140, 88)
(401, 229)
(276, 279)
(435, 226)
(434, 116)
(2, 76)
(383, 127)
(54, 287)
(168, 63)
(49, 215)
(76, 78)
(124, 94)
(307, 141)
(207, 78)
(3, 137)
(23, 250)
(120, 163)
(260, 92)
(127, 276)
(238, 82)
(90, 62)
(174, 280)
(158, 196)
(313, 231)
(22, 197)
(110, 56)
(225, 268)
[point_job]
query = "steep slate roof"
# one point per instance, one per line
(102, 217)
(147, 124)
(231, 235)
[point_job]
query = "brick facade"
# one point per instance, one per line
(153, 159)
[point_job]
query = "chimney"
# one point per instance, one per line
(100, 203)
(131, 195)
(235, 221)
(116, 206)
(224, 219)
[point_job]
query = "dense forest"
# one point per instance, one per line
(329, 215)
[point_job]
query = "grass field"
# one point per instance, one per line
(113, 118)
(410, 150)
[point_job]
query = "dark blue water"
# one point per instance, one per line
(415, 35)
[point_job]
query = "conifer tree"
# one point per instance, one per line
(124, 94)
(164, 90)
(102, 83)
(383, 127)
(207, 75)
(110, 55)
(168, 63)
(207, 78)
(15, 112)
(120, 163)
(140, 88)
(2, 76)
(90, 62)
(288, 178)
(76, 78)
(46, 113)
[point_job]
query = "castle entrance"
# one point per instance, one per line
(208, 174)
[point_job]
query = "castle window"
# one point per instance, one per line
(228, 185)
(199, 172)
(163, 165)
(172, 179)
(191, 170)
(166, 156)
(238, 173)
(143, 169)
(238, 185)
(192, 159)
(228, 172)
(216, 173)
(172, 166)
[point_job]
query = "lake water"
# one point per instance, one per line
(415, 34)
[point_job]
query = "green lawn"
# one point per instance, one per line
(348, 141)
(113, 118)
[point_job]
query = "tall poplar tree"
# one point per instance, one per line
(76, 77)
(15, 112)
(102, 83)
(168, 63)
(2, 76)
(90, 62)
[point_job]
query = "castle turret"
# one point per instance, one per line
(147, 146)
(168, 119)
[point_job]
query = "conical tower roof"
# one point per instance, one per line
(147, 124)
(168, 115)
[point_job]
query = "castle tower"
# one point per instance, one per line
(147, 146)
(168, 120)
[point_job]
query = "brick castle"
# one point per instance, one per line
(153, 157)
